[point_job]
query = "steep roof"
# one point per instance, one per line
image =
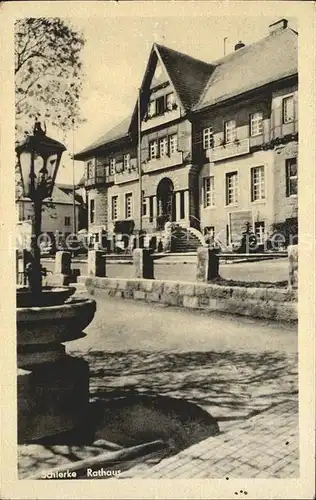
(200, 84)
(188, 75)
(58, 196)
(117, 132)
(270, 59)
(68, 189)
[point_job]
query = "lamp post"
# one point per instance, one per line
(38, 159)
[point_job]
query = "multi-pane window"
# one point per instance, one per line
(288, 109)
(208, 192)
(114, 208)
(207, 138)
(173, 143)
(231, 188)
(163, 146)
(170, 100)
(144, 204)
(153, 149)
(128, 205)
(67, 221)
(256, 123)
(291, 176)
(126, 161)
(230, 131)
(257, 184)
(92, 211)
(112, 166)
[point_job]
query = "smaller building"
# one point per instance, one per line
(57, 213)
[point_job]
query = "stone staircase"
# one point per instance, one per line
(186, 240)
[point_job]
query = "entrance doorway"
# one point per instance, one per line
(166, 206)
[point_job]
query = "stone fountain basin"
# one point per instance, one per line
(54, 324)
(50, 296)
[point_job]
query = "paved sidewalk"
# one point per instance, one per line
(265, 446)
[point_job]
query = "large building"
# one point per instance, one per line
(219, 144)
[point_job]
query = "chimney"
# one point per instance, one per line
(278, 26)
(239, 45)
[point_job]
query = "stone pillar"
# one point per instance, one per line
(63, 263)
(207, 264)
(186, 205)
(178, 205)
(293, 265)
(62, 271)
(143, 264)
(154, 208)
(96, 263)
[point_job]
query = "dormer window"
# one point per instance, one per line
(160, 105)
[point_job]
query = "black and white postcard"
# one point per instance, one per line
(158, 249)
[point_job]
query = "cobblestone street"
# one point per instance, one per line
(234, 368)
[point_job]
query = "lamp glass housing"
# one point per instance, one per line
(39, 159)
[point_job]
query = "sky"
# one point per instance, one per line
(116, 53)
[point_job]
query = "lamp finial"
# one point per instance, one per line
(38, 128)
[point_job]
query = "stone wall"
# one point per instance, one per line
(268, 303)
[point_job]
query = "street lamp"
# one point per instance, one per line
(38, 159)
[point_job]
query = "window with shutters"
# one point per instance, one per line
(126, 161)
(90, 169)
(170, 101)
(160, 105)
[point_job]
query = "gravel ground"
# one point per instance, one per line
(269, 270)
